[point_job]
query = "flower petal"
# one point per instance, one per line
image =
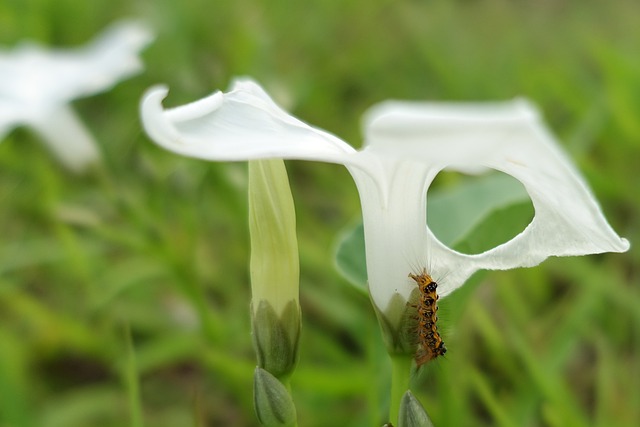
(112, 57)
(68, 139)
(395, 232)
(508, 137)
(33, 78)
(242, 124)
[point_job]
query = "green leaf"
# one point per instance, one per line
(455, 212)
(350, 258)
(500, 226)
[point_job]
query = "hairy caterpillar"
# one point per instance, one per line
(430, 344)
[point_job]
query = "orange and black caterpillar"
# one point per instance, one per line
(430, 344)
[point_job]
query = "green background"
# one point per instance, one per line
(124, 293)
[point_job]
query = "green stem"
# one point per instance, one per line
(400, 376)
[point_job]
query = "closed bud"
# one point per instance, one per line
(412, 414)
(273, 404)
(275, 306)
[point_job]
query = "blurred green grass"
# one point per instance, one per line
(157, 245)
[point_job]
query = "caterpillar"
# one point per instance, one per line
(430, 344)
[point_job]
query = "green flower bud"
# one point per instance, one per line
(412, 414)
(275, 306)
(273, 404)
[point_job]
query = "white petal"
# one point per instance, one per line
(68, 139)
(34, 79)
(508, 137)
(114, 56)
(242, 124)
(395, 232)
(36, 85)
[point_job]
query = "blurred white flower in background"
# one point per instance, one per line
(37, 84)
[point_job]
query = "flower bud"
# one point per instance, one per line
(275, 307)
(412, 414)
(273, 404)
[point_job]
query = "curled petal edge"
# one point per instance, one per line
(243, 124)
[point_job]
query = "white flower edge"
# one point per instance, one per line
(189, 130)
(37, 85)
(406, 145)
(35, 77)
(506, 136)
(112, 57)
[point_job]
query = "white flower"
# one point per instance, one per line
(406, 145)
(36, 86)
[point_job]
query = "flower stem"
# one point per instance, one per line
(400, 375)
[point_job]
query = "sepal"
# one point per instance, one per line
(273, 403)
(275, 338)
(398, 326)
(412, 414)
